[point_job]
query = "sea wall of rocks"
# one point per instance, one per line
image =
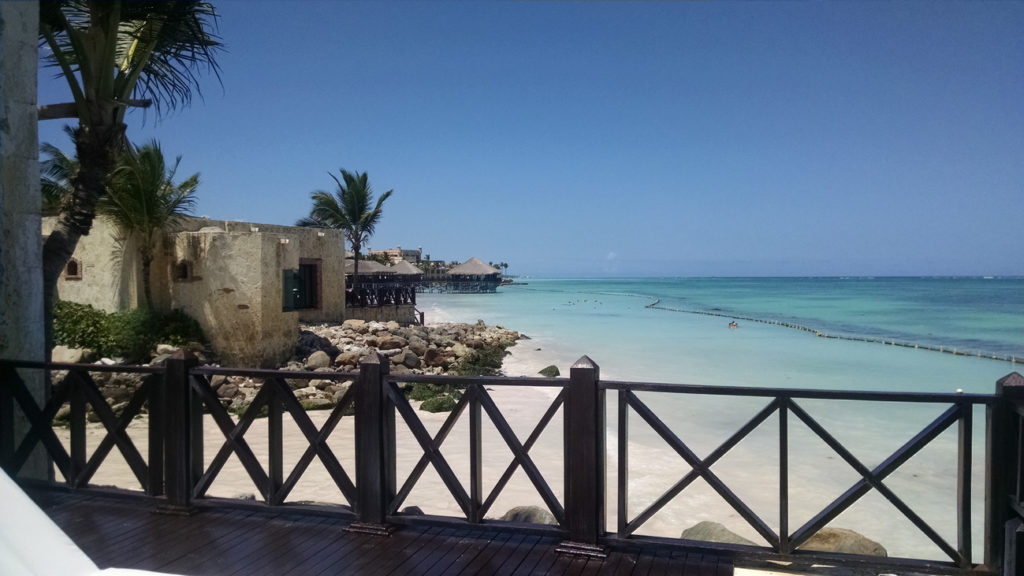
(435, 350)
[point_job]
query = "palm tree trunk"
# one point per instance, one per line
(147, 294)
(97, 151)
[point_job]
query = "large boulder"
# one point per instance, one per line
(843, 541)
(318, 359)
(530, 514)
(70, 355)
(550, 371)
(391, 342)
(435, 358)
(310, 342)
(707, 531)
(357, 326)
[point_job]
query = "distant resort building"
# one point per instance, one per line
(385, 284)
(472, 277)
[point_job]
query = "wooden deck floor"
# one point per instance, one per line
(121, 533)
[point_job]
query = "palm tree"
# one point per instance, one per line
(348, 209)
(57, 173)
(145, 204)
(110, 52)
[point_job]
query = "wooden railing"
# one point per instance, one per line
(177, 475)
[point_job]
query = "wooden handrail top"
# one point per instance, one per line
(923, 397)
(485, 380)
(129, 368)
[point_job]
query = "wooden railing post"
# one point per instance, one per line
(585, 459)
(1004, 452)
(7, 376)
(375, 447)
(178, 433)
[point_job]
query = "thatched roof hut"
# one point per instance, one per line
(404, 268)
(474, 267)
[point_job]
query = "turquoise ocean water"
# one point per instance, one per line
(686, 337)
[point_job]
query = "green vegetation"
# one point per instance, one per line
(434, 397)
(131, 335)
(485, 361)
(348, 209)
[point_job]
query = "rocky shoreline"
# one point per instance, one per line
(455, 348)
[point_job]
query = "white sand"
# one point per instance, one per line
(816, 475)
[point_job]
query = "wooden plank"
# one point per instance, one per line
(540, 560)
(441, 544)
(439, 560)
(402, 552)
(509, 557)
(270, 561)
(384, 548)
(490, 558)
(253, 548)
(468, 545)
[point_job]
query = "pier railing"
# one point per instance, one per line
(177, 473)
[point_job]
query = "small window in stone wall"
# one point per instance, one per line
(73, 270)
(183, 271)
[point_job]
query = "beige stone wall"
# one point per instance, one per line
(235, 291)
(109, 279)
(235, 294)
(401, 313)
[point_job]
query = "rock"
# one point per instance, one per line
(391, 342)
(392, 326)
(217, 380)
(435, 358)
(107, 361)
(550, 371)
(411, 360)
(318, 359)
(357, 326)
(530, 514)
(166, 349)
(418, 346)
(843, 541)
(708, 531)
(227, 391)
(310, 342)
(317, 404)
(69, 355)
(349, 358)
(460, 349)
(412, 511)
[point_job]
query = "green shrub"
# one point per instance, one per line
(131, 335)
(444, 403)
(78, 325)
(179, 329)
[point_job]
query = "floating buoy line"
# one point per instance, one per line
(656, 305)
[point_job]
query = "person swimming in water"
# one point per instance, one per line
(733, 324)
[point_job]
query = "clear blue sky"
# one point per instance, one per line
(626, 138)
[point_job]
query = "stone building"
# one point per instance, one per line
(248, 285)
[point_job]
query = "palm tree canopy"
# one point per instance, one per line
(56, 174)
(111, 51)
(143, 199)
(348, 208)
